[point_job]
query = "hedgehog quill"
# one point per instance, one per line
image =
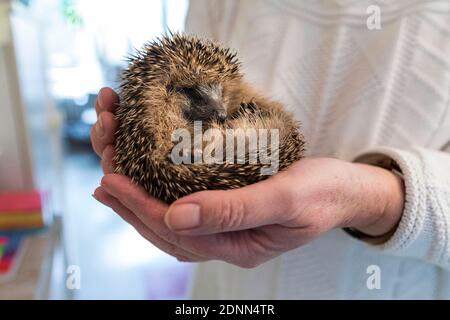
(174, 83)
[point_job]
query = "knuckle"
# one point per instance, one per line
(231, 213)
(106, 166)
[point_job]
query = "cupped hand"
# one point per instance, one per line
(102, 133)
(251, 225)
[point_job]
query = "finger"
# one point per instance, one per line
(107, 100)
(102, 196)
(134, 197)
(237, 247)
(107, 159)
(208, 212)
(151, 212)
(103, 131)
(148, 209)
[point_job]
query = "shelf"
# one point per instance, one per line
(33, 276)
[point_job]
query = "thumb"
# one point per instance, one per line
(208, 212)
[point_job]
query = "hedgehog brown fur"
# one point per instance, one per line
(167, 85)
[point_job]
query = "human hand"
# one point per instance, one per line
(251, 225)
(102, 133)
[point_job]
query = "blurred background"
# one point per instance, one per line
(55, 55)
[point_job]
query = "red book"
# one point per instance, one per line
(20, 201)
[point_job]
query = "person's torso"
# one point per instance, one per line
(352, 88)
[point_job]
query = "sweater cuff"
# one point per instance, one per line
(418, 232)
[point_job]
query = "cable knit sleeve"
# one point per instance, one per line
(424, 229)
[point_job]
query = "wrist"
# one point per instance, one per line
(384, 197)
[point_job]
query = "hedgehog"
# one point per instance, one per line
(179, 80)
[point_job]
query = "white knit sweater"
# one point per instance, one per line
(358, 92)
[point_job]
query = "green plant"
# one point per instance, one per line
(70, 13)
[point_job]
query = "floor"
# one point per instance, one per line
(114, 260)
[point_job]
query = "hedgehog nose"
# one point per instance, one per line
(221, 116)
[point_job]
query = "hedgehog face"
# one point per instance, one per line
(197, 73)
(203, 102)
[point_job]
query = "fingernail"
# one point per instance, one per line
(100, 129)
(183, 216)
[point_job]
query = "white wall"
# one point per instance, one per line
(15, 156)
